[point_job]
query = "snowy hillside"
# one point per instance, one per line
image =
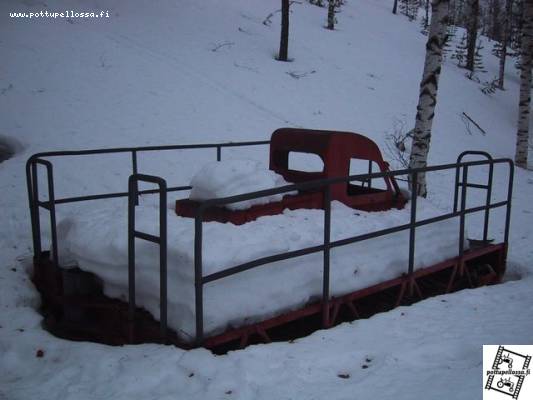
(186, 71)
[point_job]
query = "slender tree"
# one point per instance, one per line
(426, 20)
(522, 136)
(428, 91)
(395, 7)
(331, 14)
(284, 40)
(505, 36)
(473, 15)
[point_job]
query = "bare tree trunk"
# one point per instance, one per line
(473, 10)
(284, 40)
(426, 21)
(428, 91)
(504, 40)
(331, 14)
(522, 136)
(395, 7)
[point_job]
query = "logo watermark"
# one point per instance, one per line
(507, 372)
(62, 14)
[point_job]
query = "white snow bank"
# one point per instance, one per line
(97, 241)
(232, 177)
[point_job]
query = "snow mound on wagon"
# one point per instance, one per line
(97, 241)
(232, 177)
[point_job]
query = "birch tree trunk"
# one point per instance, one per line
(428, 91)
(522, 136)
(284, 39)
(331, 14)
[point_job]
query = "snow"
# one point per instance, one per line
(232, 177)
(149, 75)
(94, 241)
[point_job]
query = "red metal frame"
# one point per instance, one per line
(457, 268)
(108, 322)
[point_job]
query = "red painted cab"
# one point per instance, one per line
(341, 154)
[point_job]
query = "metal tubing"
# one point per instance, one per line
(487, 203)
(117, 195)
(147, 237)
(412, 230)
(509, 201)
(52, 209)
(462, 218)
(369, 171)
(161, 240)
(456, 187)
(36, 213)
(31, 204)
(51, 206)
(198, 278)
(131, 251)
(488, 186)
(134, 172)
(475, 185)
(337, 243)
(148, 148)
(163, 258)
(330, 181)
(326, 260)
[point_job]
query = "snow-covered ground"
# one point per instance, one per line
(188, 72)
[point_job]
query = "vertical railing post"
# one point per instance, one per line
(326, 257)
(33, 197)
(163, 258)
(456, 187)
(131, 254)
(487, 202)
(462, 218)
(198, 278)
(49, 205)
(135, 171)
(52, 210)
(412, 230)
(219, 153)
(509, 200)
(160, 240)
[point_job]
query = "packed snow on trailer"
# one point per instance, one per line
(248, 254)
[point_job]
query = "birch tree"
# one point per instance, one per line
(428, 90)
(522, 136)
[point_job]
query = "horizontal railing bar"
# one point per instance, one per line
(115, 195)
(147, 148)
(474, 185)
(338, 243)
(147, 236)
(44, 204)
(261, 261)
(330, 181)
